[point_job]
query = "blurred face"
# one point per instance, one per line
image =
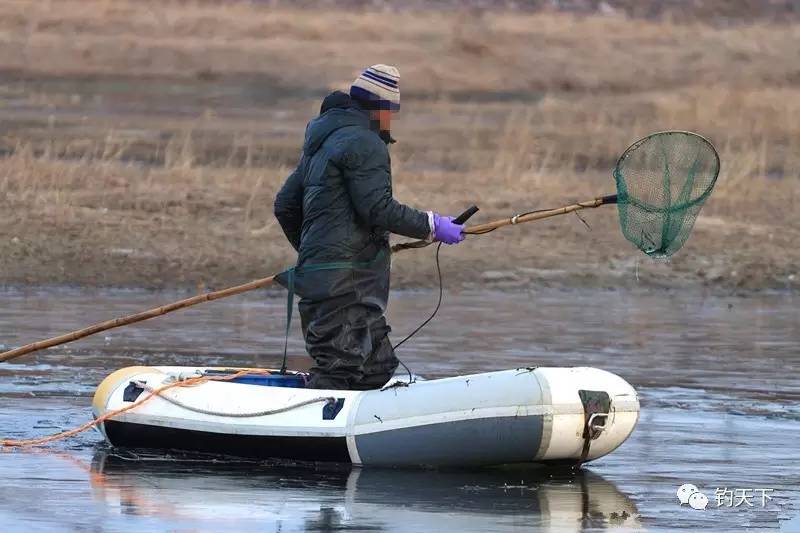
(384, 117)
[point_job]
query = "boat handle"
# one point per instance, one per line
(596, 429)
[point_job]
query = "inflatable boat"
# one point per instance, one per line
(524, 415)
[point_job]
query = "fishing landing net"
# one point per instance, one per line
(663, 181)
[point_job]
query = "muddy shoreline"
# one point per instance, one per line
(493, 281)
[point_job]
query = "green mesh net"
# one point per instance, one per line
(663, 181)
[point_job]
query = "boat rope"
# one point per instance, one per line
(267, 412)
(188, 382)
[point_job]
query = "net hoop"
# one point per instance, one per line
(662, 181)
(626, 198)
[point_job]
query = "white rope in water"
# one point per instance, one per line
(267, 412)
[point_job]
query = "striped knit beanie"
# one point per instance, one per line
(378, 88)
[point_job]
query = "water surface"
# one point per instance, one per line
(717, 377)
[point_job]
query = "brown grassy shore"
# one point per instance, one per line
(143, 142)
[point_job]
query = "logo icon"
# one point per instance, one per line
(698, 501)
(688, 493)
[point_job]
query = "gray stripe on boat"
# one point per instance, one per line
(481, 441)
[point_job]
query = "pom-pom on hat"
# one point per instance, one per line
(378, 87)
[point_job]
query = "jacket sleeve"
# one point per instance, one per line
(289, 205)
(369, 185)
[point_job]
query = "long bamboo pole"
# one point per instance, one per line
(519, 219)
(264, 282)
(539, 215)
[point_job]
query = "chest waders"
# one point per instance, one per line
(316, 267)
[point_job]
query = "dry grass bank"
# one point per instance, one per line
(116, 224)
(145, 141)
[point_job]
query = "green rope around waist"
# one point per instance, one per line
(316, 267)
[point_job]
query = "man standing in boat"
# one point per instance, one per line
(337, 211)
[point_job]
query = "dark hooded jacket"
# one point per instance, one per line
(337, 206)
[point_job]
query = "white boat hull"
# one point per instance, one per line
(513, 416)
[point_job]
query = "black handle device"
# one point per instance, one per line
(460, 219)
(466, 215)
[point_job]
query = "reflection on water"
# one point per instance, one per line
(194, 492)
(246, 495)
(717, 378)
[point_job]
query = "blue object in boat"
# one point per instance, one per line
(297, 381)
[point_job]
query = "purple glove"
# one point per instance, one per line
(445, 231)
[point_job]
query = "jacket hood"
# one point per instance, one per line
(338, 111)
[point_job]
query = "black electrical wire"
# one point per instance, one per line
(425, 323)
(441, 291)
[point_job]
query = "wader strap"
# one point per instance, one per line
(289, 308)
(290, 276)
